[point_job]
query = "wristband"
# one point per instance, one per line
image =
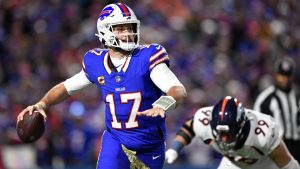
(177, 146)
(41, 105)
(165, 102)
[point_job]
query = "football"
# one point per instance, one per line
(31, 128)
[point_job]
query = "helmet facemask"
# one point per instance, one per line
(126, 41)
(225, 140)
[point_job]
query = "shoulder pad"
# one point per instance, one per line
(91, 55)
(156, 54)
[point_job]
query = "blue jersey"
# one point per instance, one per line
(127, 92)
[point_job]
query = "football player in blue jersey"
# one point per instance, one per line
(137, 87)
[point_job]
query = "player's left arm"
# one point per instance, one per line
(282, 158)
(167, 82)
(276, 148)
(183, 137)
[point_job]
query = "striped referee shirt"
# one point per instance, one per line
(284, 107)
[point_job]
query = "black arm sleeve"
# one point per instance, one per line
(186, 131)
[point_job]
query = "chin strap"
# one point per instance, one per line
(165, 102)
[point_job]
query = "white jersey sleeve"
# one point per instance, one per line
(76, 83)
(274, 137)
(201, 125)
(163, 77)
(264, 133)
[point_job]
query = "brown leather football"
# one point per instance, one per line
(31, 128)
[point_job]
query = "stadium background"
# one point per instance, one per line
(217, 48)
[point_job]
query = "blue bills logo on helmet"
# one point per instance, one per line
(106, 12)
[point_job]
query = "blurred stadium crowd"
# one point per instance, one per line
(217, 48)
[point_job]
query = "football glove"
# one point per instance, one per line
(171, 156)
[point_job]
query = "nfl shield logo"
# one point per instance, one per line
(118, 79)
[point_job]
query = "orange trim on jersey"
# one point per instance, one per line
(223, 108)
(236, 102)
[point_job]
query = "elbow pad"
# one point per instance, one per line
(186, 136)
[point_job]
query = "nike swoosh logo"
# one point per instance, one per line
(155, 157)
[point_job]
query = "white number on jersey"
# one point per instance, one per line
(131, 123)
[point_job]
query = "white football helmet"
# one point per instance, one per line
(117, 14)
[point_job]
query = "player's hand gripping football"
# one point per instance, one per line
(155, 111)
(40, 107)
(171, 156)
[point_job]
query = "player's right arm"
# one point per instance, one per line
(65, 89)
(165, 80)
(57, 94)
(198, 126)
(282, 158)
(269, 141)
(183, 137)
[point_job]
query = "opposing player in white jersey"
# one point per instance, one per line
(246, 138)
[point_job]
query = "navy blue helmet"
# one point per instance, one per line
(227, 122)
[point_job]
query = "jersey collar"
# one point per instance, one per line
(107, 67)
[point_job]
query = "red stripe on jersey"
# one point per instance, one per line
(159, 61)
(156, 55)
(83, 65)
(124, 64)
